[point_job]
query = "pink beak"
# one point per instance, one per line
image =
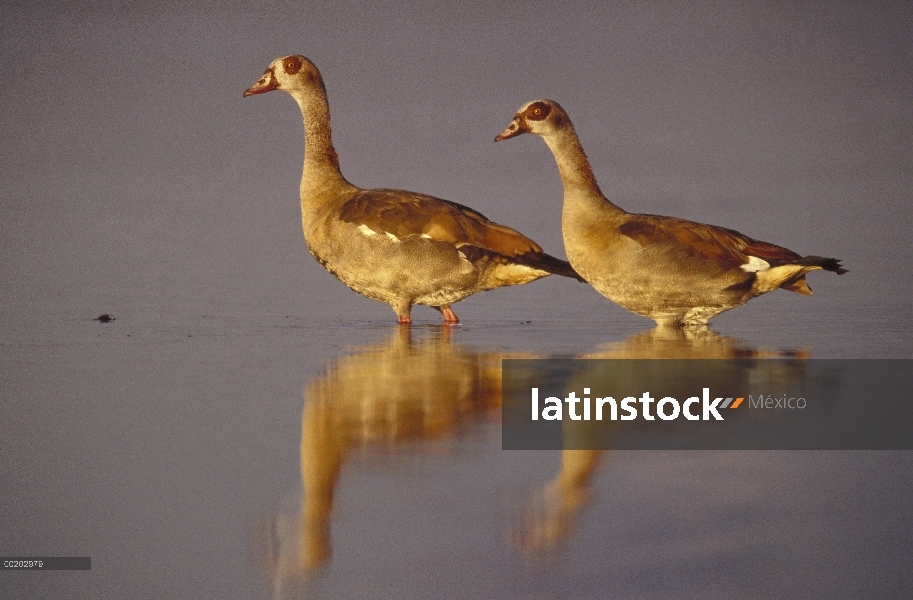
(267, 83)
(513, 130)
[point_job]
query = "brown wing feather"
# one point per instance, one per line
(770, 252)
(406, 213)
(708, 241)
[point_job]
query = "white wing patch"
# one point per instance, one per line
(755, 264)
(366, 230)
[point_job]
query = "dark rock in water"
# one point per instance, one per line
(105, 318)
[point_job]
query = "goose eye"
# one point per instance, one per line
(292, 65)
(537, 111)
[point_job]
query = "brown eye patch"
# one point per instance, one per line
(291, 65)
(537, 111)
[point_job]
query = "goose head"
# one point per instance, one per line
(293, 73)
(542, 117)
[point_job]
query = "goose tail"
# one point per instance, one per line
(547, 262)
(828, 264)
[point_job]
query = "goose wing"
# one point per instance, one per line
(709, 242)
(401, 214)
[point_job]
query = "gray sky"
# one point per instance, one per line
(133, 167)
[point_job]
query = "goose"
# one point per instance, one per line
(395, 246)
(676, 272)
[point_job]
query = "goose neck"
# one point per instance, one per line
(321, 163)
(580, 187)
(573, 164)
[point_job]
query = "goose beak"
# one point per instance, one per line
(513, 130)
(267, 83)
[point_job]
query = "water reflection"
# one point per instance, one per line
(421, 386)
(688, 342)
(416, 387)
(551, 512)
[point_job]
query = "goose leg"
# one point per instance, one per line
(449, 316)
(403, 310)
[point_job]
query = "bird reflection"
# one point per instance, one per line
(551, 512)
(421, 386)
(688, 342)
(391, 395)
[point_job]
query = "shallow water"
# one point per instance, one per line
(171, 445)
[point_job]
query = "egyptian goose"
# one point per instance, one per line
(398, 247)
(673, 271)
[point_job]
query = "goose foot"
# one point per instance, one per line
(450, 317)
(404, 320)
